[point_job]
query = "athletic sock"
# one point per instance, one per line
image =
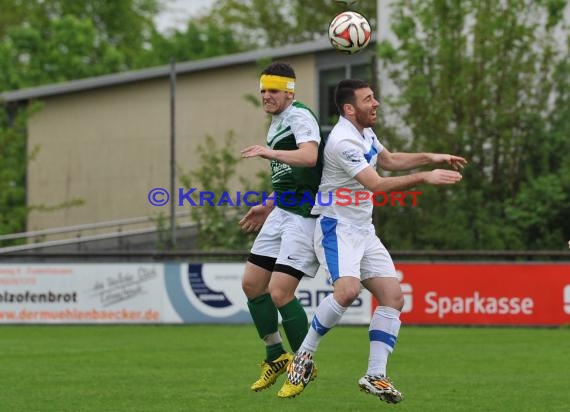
(383, 333)
(327, 315)
(295, 323)
(264, 315)
(274, 351)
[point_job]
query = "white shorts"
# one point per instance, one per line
(345, 249)
(288, 238)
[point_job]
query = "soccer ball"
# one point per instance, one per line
(349, 32)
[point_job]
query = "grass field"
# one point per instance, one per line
(210, 368)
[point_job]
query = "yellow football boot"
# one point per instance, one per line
(270, 371)
(300, 372)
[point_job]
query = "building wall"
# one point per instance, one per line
(110, 146)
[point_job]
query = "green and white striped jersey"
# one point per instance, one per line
(295, 186)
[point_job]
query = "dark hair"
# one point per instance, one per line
(279, 69)
(344, 92)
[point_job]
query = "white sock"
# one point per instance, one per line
(383, 333)
(327, 315)
(272, 339)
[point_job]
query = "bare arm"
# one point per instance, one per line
(370, 179)
(406, 161)
(256, 216)
(305, 155)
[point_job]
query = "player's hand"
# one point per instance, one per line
(456, 162)
(442, 177)
(254, 218)
(256, 150)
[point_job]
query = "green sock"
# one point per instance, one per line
(274, 351)
(264, 315)
(295, 323)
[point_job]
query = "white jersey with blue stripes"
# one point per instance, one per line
(347, 153)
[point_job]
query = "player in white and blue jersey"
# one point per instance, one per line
(345, 240)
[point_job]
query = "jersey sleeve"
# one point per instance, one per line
(349, 157)
(379, 145)
(305, 127)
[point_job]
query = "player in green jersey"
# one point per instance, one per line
(283, 251)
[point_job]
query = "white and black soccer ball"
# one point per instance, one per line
(349, 32)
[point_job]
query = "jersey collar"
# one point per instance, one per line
(280, 115)
(347, 123)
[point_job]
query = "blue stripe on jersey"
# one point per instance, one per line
(330, 246)
(373, 151)
(318, 326)
(381, 336)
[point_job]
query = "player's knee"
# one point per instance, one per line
(345, 296)
(250, 288)
(281, 296)
(246, 285)
(399, 302)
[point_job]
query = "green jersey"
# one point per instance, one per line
(295, 187)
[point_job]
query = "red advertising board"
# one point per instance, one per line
(485, 293)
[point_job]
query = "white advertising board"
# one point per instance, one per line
(211, 293)
(142, 293)
(81, 293)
